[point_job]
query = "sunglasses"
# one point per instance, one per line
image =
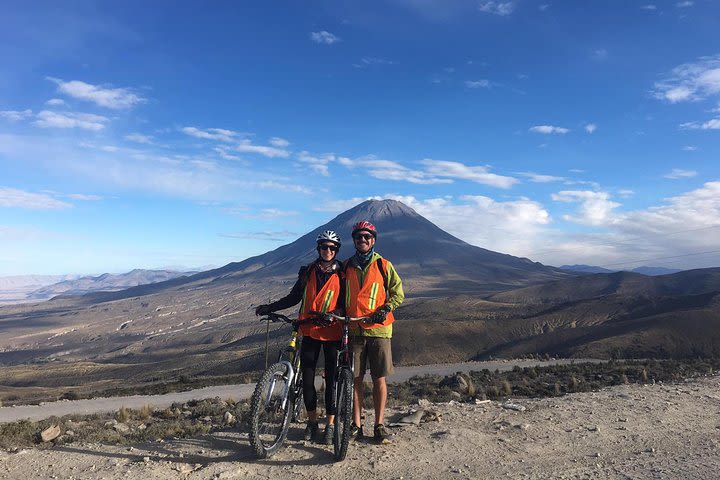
(332, 248)
(363, 236)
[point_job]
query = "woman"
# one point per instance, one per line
(320, 289)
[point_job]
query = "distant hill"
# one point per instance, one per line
(652, 271)
(16, 288)
(106, 282)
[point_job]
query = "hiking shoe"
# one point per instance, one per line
(311, 430)
(327, 438)
(356, 432)
(380, 435)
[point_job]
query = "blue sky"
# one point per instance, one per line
(156, 134)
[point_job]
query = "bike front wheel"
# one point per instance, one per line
(344, 413)
(270, 411)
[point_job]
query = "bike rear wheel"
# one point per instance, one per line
(269, 420)
(344, 413)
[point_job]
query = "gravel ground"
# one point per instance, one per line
(625, 432)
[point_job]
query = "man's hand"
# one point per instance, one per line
(379, 315)
(324, 320)
(263, 310)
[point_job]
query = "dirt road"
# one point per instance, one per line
(95, 405)
(625, 432)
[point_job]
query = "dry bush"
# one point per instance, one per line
(145, 412)
(507, 388)
(122, 415)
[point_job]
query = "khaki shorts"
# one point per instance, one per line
(377, 351)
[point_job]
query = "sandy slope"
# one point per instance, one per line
(632, 431)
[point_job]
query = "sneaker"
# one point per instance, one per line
(380, 435)
(356, 432)
(328, 434)
(311, 430)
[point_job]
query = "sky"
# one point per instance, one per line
(178, 134)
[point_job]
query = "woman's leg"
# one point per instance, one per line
(308, 362)
(330, 349)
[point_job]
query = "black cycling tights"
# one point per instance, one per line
(308, 362)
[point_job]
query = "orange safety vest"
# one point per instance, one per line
(362, 301)
(323, 301)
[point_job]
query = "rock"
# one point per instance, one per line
(424, 402)
(455, 395)
(121, 428)
(146, 459)
(457, 383)
(592, 428)
(412, 418)
(50, 433)
(481, 402)
(229, 418)
(513, 406)
(430, 416)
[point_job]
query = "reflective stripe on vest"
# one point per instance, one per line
(362, 301)
(323, 301)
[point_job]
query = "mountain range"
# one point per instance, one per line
(645, 270)
(462, 302)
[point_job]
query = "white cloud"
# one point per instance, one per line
(15, 115)
(689, 148)
(55, 102)
(224, 153)
(219, 134)
(389, 170)
(115, 98)
(590, 127)
(477, 84)
(319, 164)
(595, 207)
(648, 7)
(626, 193)
(678, 173)
(434, 172)
(548, 129)
(279, 142)
(246, 146)
(85, 197)
(600, 54)
(86, 121)
(497, 8)
(712, 124)
(685, 4)
(324, 37)
(691, 81)
(15, 198)
(477, 174)
(367, 61)
(139, 138)
(538, 178)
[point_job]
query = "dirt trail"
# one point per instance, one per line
(625, 432)
(95, 405)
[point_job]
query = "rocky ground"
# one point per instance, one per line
(625, 432)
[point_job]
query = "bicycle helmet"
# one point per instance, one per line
(364, 225)
(329, 236)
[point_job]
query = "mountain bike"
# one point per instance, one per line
(344, 386)
(277, 399)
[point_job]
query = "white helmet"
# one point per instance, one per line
(329, 236)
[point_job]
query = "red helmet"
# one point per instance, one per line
(364, 225)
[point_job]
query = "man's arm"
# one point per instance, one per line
(396, 295)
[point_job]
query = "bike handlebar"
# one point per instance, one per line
(351, 319)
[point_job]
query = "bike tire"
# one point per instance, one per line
(269, 421)
(344, 414)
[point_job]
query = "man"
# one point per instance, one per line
(320, 289)
(372, 288)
